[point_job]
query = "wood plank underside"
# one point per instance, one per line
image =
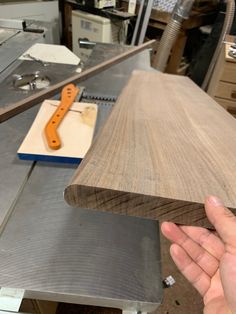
(164, 148)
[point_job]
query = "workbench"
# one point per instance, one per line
(50, 251)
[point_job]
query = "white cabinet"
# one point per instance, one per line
(94, 28)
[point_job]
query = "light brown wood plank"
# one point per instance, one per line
(226, 90)
(17, 107)
(165, 146)
(229, 74)
(229, 105)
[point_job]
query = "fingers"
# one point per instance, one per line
(199, 255)
(223, 220)
(205, 238)
(192, 272)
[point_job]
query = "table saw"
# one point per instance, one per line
(50, 251)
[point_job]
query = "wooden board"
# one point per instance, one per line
(75, 131)
(165, 146)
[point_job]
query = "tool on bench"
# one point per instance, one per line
(68, 96)
(62, 130)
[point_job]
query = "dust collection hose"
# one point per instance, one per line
(229, 17)
(181, 11)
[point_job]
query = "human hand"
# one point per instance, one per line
(207, 259)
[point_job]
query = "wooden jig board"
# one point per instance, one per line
(75, 131)
(164, 148)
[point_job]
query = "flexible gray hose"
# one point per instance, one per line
(229, 16)
(167, 41)
(181, 11)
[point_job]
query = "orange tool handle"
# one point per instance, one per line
(68, 95)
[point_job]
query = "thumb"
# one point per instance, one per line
(222, 219)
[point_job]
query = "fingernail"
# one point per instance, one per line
(214, 200)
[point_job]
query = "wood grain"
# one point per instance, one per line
(229, 105)
(17, 107)
(165, 146)
(226, 90)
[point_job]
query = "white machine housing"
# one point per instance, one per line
(97, 29)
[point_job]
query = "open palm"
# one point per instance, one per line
(206, 259)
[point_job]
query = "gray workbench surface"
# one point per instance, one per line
(56, 252)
